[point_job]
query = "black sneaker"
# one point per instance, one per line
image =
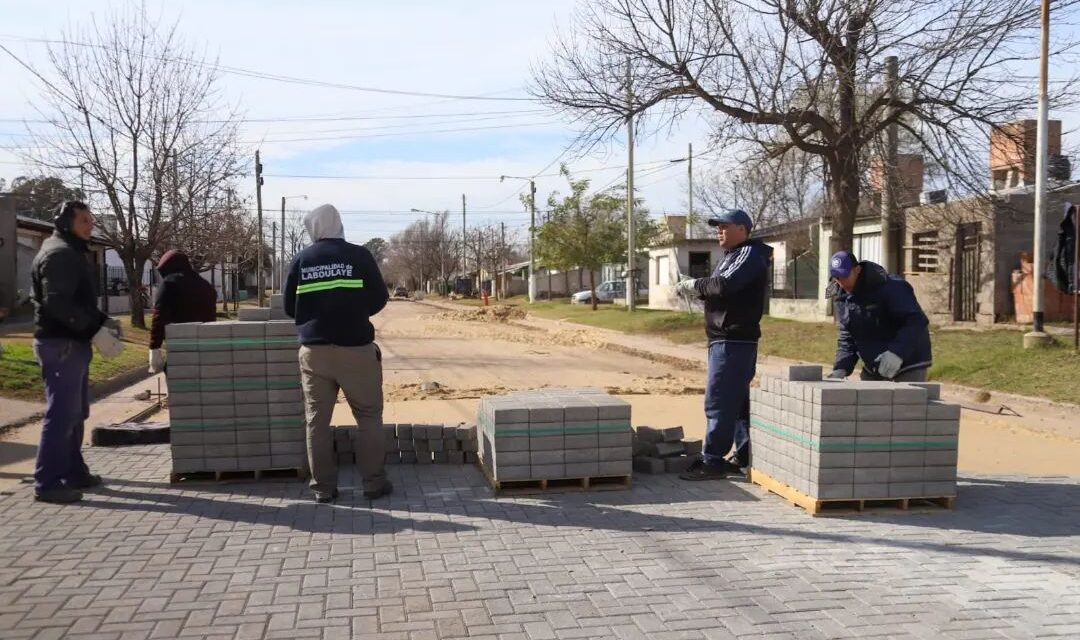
(375, 494)
(324, 498)
(89, 482)
(62, 495)
(701, 471)
(734, 467)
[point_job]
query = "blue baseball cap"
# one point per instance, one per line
(731, 216)
(841, 264)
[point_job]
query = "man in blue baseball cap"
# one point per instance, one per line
(880, 322)
(734, 298)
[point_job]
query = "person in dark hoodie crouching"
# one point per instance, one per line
(184, 296)
(333, 289)
(880, 323)
(734, 298)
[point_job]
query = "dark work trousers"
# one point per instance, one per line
(65, 369)
(727, 400)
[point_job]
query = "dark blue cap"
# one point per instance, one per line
(841, 264)
(732, 216)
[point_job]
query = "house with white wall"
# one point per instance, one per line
(688, 249)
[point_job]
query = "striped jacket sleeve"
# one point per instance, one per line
(734, 274)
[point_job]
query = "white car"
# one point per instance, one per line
(607, 291)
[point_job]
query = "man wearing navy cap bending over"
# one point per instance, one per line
(880, 322)
(734, 298)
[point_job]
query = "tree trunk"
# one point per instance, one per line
(592, 288)
(844, 192)
(133, 268)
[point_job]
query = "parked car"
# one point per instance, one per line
(401, 292)
(607, 291)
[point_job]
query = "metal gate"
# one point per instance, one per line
(966, 272)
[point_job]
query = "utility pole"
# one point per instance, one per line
(273, 257)
(690, 181)
(259, 250)
(532, 241)
(423, 252)
(1037, 337)
(888, 171)
(464, 265)
(502, 254)
(281, 262)
(630, 262)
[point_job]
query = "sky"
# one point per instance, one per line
(411, 150)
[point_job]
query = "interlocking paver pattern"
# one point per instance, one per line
(442, 558)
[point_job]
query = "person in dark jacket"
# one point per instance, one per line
(880, 323)
(67, 322)
(333, 289)
(734, 298)
(183, 296)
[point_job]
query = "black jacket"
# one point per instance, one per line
(333, 289)
(734, 295)
(65, 290)
(881, 314)
(1064, 272)
(182, 297)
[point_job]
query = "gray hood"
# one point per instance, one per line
(324, 222)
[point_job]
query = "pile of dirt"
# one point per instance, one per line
(429, 391)
(498, 313)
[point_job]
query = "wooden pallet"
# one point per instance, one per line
(843, 506)
(293, 473)
(558, 485)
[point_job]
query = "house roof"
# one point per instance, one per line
(46, 227)
(784, 228)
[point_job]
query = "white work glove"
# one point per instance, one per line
(686, 287)
(888, 364)
(108, 342)
(157, 360)
(838, 374)
(114, 325)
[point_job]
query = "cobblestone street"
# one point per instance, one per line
(442, 558)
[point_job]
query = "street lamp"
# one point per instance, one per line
(281, 260)
(532, 233)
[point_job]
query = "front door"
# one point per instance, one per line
(965, 275)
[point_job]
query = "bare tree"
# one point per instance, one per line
(140, 116)
(772, 190)
(807, 75)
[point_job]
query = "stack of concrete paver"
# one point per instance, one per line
(664, 450)
(414, 443)
(555, 433)
(854, 440)
(276, 311)
(235, 402)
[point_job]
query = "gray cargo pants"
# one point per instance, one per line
(357, 371)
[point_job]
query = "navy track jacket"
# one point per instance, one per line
(734, 295)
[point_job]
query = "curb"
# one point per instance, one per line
(97, 392)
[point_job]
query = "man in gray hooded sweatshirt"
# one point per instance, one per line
(333, 289)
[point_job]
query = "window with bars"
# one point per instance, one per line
(924, 252)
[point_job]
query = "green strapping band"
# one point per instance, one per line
(817, 445)
(341, 283)
(195, 342)
(239, 384)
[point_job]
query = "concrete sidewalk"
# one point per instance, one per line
(14, 413)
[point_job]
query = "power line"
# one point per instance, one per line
(250, 73)
(404, 133)
(337, 118)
